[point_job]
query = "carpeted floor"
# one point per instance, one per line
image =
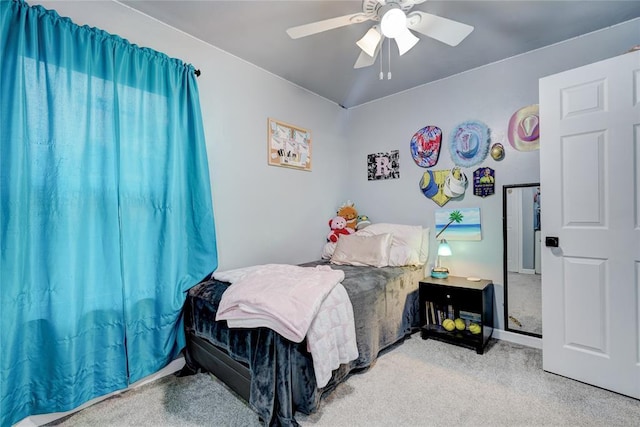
(525, 302)
(417, 383)
(198, 400)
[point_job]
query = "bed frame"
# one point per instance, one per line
(216, 361)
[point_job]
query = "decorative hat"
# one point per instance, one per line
(428, 184)
(432, 185)
(469, 143)
(524, 133)
(455, 184)
(425, 146)
(497, 151)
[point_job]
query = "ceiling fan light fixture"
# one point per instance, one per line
(406, 41)
(369, 42)
(393, 23)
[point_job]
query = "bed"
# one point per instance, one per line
(276, 375)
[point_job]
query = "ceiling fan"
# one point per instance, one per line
(393, 22)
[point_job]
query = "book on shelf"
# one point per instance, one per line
(437, 313)
(427, 311)
(432, 311)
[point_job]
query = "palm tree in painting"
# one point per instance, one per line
(454, 216)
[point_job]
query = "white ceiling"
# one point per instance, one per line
(323, 63)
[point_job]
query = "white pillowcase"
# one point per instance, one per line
(361, 250)
(410, 243)
(328, 249)
(424, 247)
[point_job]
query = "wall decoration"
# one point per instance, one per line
(524, 133)
(469, 143)
(432, 186)
(383, 165)
(425, 146)
(456, 183)
(497, 151)
(458, 224)
(484, 182)
(288, 145)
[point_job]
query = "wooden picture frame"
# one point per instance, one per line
(288, 145)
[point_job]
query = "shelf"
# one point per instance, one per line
(464, 337)
(450, 297)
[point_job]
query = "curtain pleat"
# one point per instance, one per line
(105, 212)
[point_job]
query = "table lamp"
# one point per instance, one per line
(440, 272)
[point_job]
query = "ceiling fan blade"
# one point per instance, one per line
(366, 60)
(327, 24)
(439, 28)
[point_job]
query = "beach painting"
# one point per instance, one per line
(458, 224)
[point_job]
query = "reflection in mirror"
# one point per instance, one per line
(522, 268)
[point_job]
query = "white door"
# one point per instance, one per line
(590, 177)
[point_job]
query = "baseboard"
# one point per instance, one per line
(38, 420)
(522, 339)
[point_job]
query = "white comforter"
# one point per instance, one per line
(295, 302)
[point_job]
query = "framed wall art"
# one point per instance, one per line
(383, 165)
(458, 224)
(484, 182)
(288, 145)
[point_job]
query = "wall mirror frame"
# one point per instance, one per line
(521, 261)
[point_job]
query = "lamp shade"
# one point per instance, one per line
(393, 23)
(444, 249)
(405, 41)
(369, 42)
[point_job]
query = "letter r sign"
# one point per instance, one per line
(383, 165)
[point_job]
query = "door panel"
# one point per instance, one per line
(586, 323)
(582, 99)
(589, 161)
(637, 308)
(583, 192)
(636, 190)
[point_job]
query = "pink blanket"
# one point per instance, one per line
(294, 301)
(285, 298)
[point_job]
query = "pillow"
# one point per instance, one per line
(424, 247)
(400, 256)
(410, 243)
(327, 250)
(362, 250)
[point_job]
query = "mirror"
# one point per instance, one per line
(522, 267)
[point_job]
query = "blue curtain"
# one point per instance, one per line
(106, 216)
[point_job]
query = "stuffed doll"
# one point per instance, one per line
(349, 213)
(338, 227)
(362, 222)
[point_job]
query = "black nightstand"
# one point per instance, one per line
(457, 298)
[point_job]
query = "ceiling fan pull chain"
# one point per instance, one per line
(389, 50)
